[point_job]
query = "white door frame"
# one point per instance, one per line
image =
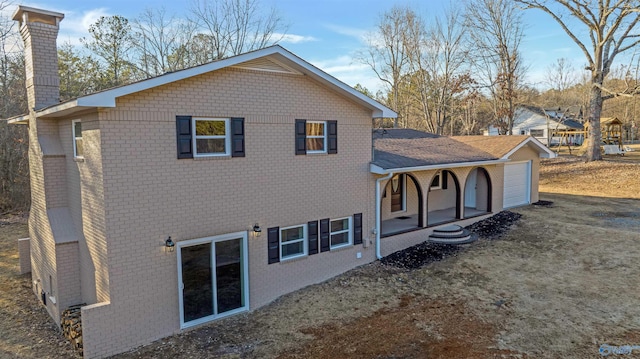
(244, 255)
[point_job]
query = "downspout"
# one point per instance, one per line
(378, 214)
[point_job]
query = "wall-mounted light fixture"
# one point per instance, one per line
(169, 245)
(257, 230)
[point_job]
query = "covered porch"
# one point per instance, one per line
(404, 208)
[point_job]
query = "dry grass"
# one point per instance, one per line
(562, 282)
(27, 330)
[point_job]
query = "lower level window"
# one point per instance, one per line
(340, 232)
(293, 242)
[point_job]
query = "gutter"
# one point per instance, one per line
(382, 171)
(378, 214)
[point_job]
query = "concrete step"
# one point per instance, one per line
(451, 236)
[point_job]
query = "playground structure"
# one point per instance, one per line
(611, 128)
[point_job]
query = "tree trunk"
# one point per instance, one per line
(595, 133)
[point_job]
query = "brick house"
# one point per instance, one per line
(210, 191)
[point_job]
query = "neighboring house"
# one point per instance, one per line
(545, 125)
(210, 191)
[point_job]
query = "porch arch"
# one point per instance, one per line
(443, 200)
(478, 191)
(410, 217)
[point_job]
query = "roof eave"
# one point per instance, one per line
(19, 120)
(108, 98)
(543, 151)
(375, 169)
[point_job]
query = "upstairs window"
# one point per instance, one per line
(78, 149)
(209, 137)
(316, 137)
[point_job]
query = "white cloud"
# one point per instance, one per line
(345, 69)
(295, 39)
(357, 33)
(75, 24)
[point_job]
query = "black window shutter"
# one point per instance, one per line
(301, 137)
(273, 241)
(444, 179)
(332, 139)
(237, 137)
(357, 228)
(324, 235)
(312, 227)
(184, 138)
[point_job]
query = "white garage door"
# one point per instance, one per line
(517, 184)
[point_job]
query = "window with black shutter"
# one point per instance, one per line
(210, 137)
(312, 227)
(325, 234)
(183, 132)
(316, 137)
(357, 228)
(237, 137)
(332, 134)
(273, 244)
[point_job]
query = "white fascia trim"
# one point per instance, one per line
(20, 120)
(108, 98)
(543, 150)
(58, 108)
(381, 171)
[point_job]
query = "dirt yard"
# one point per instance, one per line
(560, 283)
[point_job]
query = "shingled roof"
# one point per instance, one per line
(498, 146)
(406, 148)
(504, 146)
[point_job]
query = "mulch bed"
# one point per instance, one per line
(426, 252)
(495, 226)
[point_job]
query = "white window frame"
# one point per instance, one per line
(226, 137)
(349, 231)
(245, 278)
(305, 246)
(75, 138)
(439, 185)
(324, 137)
(541, 134)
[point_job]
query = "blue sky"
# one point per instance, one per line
(327, 33)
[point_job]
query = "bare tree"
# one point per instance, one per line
(388, 52)
(439, 73)
(561, 75)
(233, 27)
(611, 25)
(159, 41)
(496, 31)
(14, 164)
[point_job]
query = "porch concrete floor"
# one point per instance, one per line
(398, 225)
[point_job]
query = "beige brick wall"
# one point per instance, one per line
(24, 255)
(67, 280)
(150, 195)
(41, 64)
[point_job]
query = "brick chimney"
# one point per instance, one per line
(39, 30)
